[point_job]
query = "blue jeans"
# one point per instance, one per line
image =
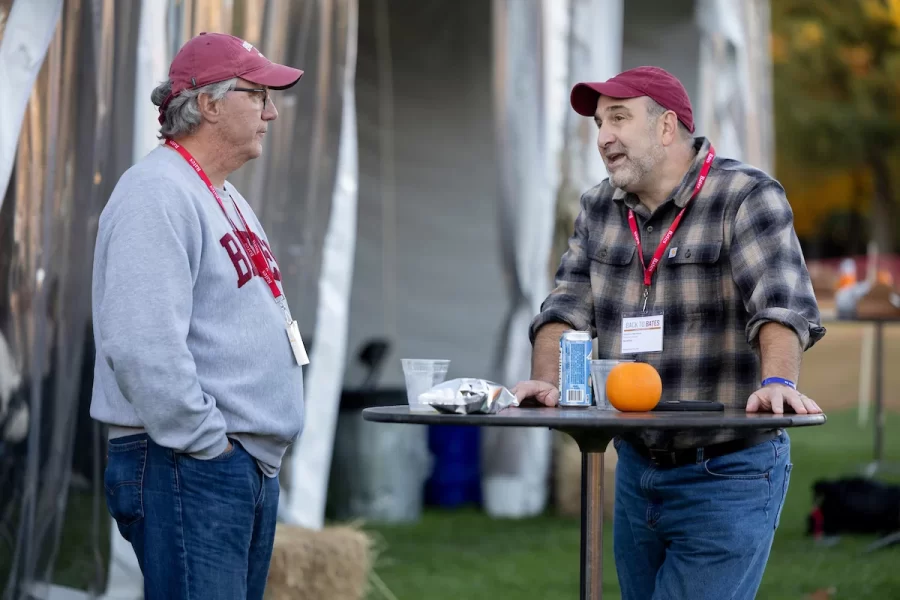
(699, 531)
(201, 529)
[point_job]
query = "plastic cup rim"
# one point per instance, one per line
(434, 361)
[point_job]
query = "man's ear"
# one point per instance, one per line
(670, 127)
(209, 108)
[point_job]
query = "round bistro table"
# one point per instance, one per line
(593, 429)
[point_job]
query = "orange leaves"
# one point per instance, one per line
(857, 58)
(779, 49)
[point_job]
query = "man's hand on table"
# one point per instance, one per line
(771, 398)
(775, 398)
(541, 391)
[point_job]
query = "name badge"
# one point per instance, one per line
(293, 331)
(642, 333)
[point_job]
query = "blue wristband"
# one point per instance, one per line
(780, 380)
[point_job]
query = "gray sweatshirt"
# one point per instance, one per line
(191, 345)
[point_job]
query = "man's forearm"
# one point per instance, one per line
(545, 354)
(780, 352)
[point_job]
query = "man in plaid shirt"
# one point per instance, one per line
(738, 311)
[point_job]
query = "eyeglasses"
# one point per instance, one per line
(263, 91)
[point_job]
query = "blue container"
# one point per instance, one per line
(456, 477)
(575, 350)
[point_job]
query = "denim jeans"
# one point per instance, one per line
(699, 531)
(201, 529)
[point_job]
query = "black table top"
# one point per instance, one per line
(576, 418)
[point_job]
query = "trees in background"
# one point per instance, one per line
(836, 91)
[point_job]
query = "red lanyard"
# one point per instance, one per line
(249, 241)
(657, 256)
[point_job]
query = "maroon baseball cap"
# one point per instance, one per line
(654, 82)
(214, 57)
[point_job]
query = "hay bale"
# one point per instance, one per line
(567, 477)
(333, 563)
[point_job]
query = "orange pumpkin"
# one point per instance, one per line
(633, 387)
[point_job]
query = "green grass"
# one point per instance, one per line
(464, 554)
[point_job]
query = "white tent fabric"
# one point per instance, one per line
(152, 66)
(312, 453)
(595, 54)
(735, 80)
(515, 462)
(26, 37)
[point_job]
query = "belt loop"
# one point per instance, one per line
(700, 454)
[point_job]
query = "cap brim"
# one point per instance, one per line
(585, 95)
(274, 76)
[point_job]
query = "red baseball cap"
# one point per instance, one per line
(654, 82)
(214, 57)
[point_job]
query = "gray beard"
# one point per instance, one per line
(638, 169)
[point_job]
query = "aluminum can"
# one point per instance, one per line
(575, 352)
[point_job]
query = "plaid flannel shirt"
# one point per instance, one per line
(733, 264)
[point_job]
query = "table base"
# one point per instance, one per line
(592, 525)
(592, 448)
(878, 463)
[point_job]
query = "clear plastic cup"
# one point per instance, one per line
(421, 375)
(599, 372)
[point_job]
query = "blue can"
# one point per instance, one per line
(575, 353)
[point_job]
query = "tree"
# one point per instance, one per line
(836, 69)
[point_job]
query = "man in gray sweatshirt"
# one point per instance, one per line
(198, 367)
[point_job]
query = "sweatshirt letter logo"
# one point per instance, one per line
(240, 262)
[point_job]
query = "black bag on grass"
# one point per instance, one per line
(854, 505)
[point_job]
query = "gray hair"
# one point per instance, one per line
(183, 112)
(655, 110)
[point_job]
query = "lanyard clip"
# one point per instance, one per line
(646, 295)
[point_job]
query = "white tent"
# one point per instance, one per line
(410, 184)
